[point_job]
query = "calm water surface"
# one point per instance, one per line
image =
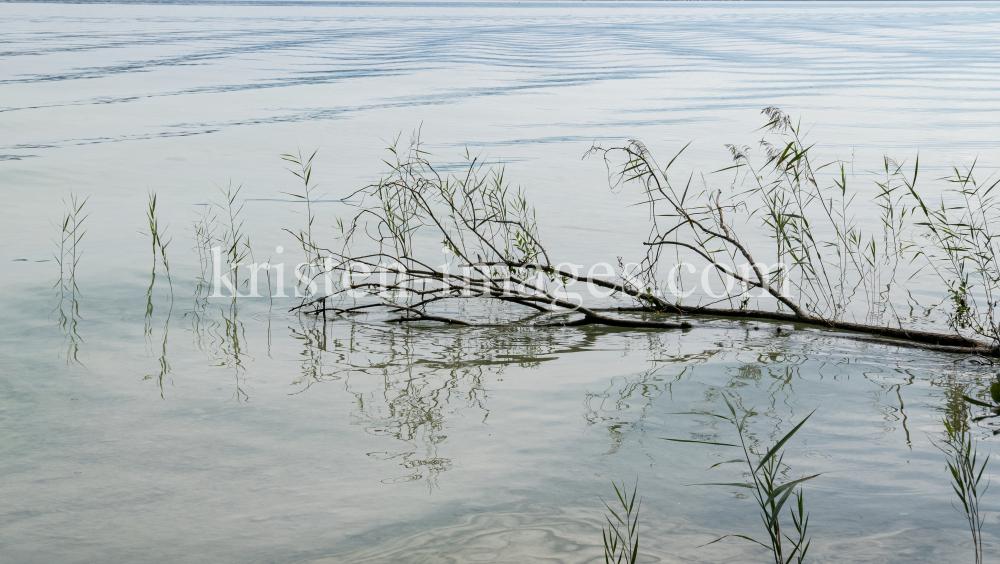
(188, 431)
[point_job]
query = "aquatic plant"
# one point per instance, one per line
(234, 240)
(966, 476)
(159, 249)
(219, 234)
(70, 235)
(157, 238)
(770, 494)
(824, 257)
(203, 228)
(303, 172)
(621, 538)
(966, 250)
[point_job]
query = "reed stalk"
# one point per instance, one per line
(233, 238)
(159, 249)
(621, 538)
(303, 171)
(70, 237)
(966, 477)
(770, 494)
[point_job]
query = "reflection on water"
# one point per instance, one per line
(199, 322)
(954, 409)
(413, 384)
(397, 391)
(630, 399)
(399, 408)
(164, 364)
(420, 386)
(515, 434)
(219, 332)
(227, 345)
(634, 394)
(217, 329)
(313, 335)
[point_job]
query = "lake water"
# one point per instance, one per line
(179, 429)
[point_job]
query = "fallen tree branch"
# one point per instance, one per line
(489, 233)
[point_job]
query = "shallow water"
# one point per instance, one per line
(181, 429)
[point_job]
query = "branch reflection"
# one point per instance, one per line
(409, 382)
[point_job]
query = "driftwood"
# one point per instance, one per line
(488, 232)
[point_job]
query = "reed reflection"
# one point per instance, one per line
(161, 346)
(217, 330)
(219, 333)
(767, 376)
